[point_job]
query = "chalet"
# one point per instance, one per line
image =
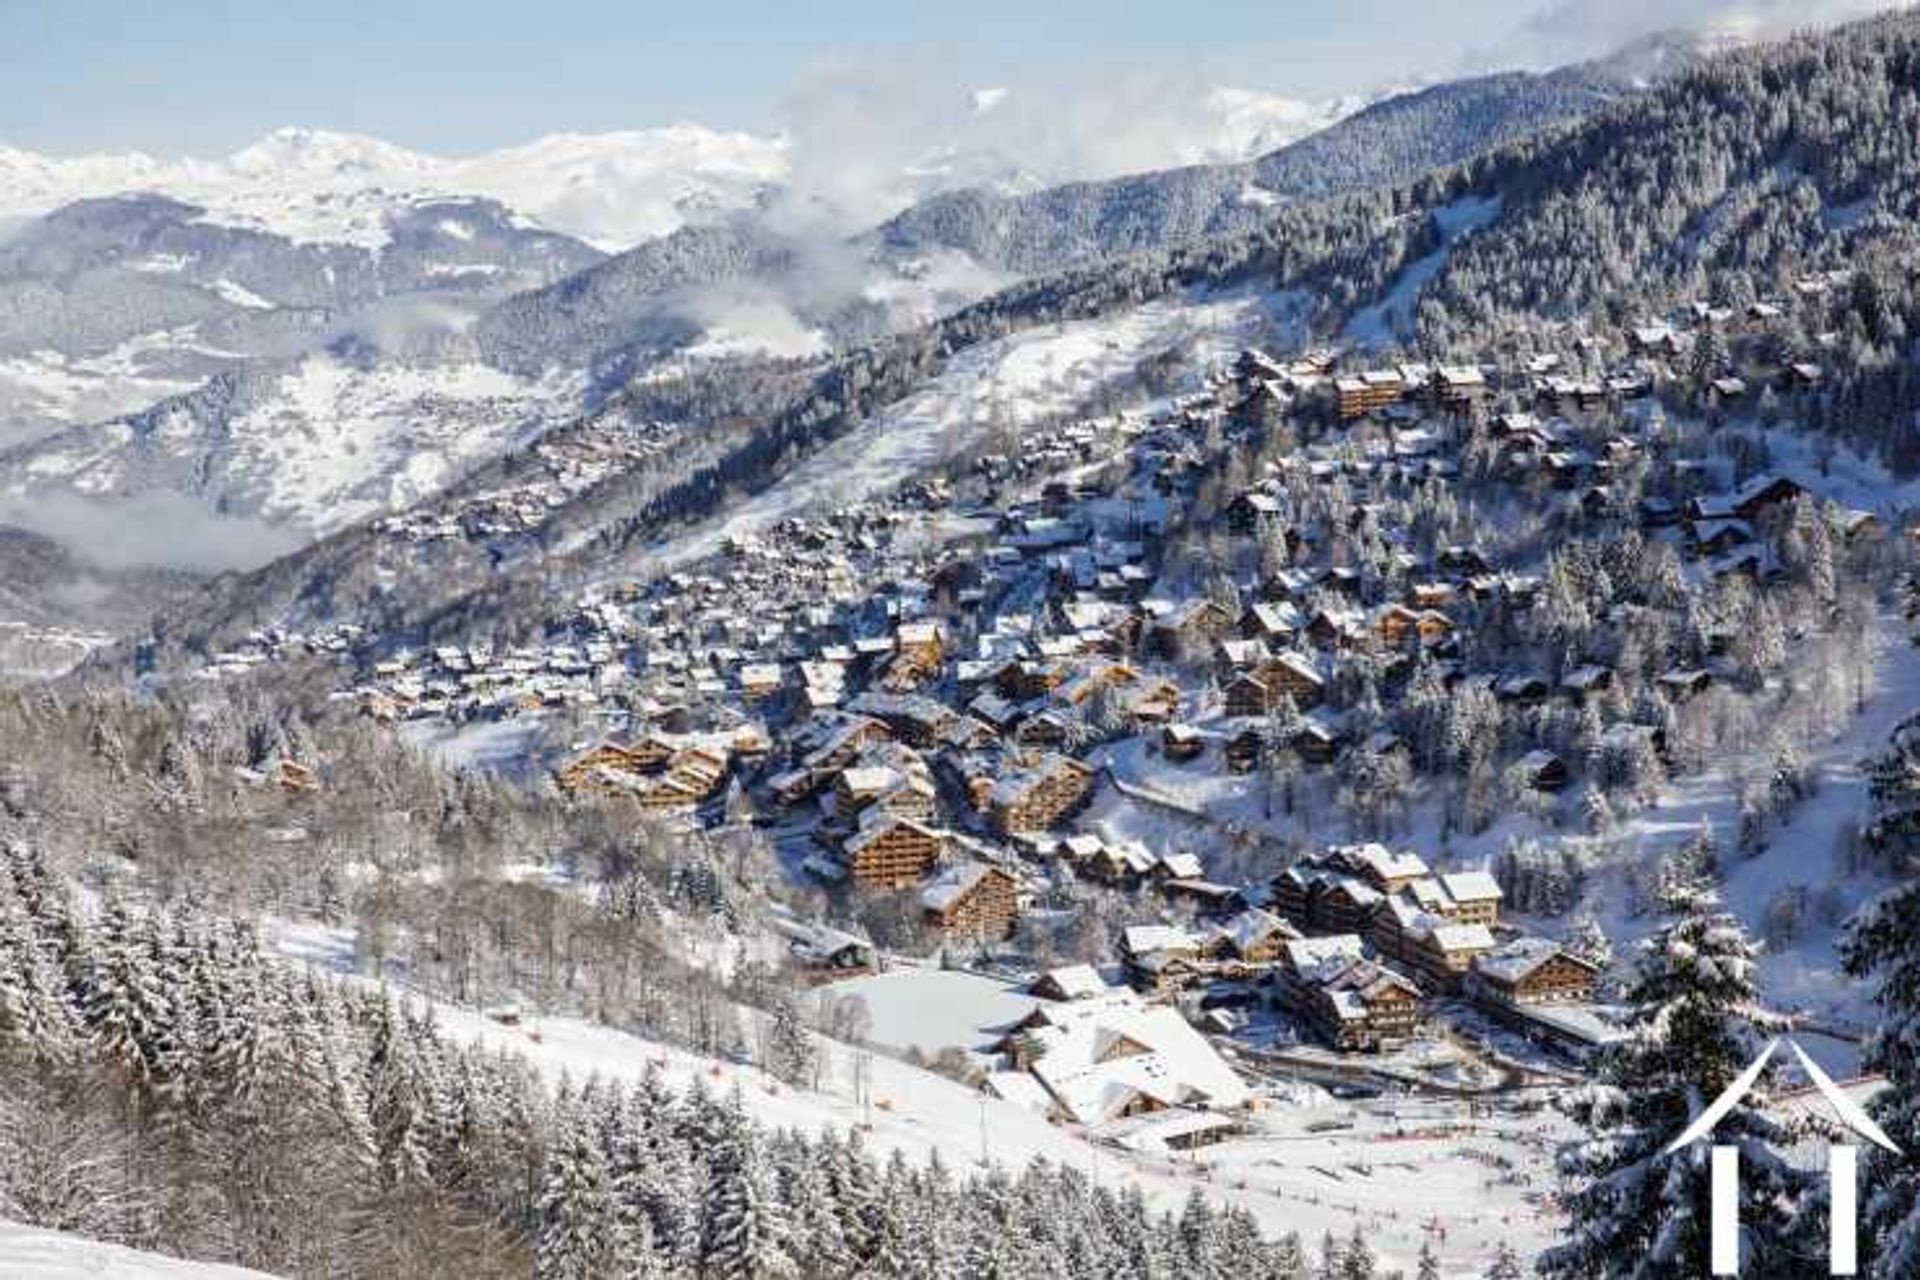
(1181, 742)
(1763, 495)
(1395, 622)
(1160, 958)
(829, 742)
(826, 952)
(1341, 904)
(1125, 863)
(1246, 512)
(759, 680)
(1527, 690)
(972, 901)
(1459, 385)
(903, 792)
(1254, 937)
(1380, 866)
(1357, 395)
(1532, 971)
(1543, 771)
(1680, 685)
(1337, 629)
(1443, 953)
(890, 852)
(1354, 1003)
(1244, 749)
(1473, 897)
(912, 718)
(1802, 375)
(1040, 796)
(1070, 982)
(1187, 629)
(1582, 682)
(1278, 622)
(1177, 866)
(1112, 1056)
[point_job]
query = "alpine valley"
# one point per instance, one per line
(1224, 686)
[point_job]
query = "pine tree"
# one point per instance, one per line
(398, 1101)
(1428, 1265)
(746, 1226)
(1506, 1264)
(1356, 1259)
(1882, 944)
(1636, 1209)
(580, 1234)
(790, 1048)
(123, 1006)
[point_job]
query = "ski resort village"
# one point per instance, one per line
(1251, 781)
(1079, 676)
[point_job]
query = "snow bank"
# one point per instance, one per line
(29, 1253)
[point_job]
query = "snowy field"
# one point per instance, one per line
(935, 1009)
(1290, 1172)
(28, 1253)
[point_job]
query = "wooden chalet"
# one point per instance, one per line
(1039, 796)
(890, 852)
(972, 901)
(1533, 971)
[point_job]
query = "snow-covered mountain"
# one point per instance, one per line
(314, 443)
(314, 186)
(612, 190)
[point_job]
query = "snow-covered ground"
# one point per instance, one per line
(1392, 316)
(1010, 384)
(1291, 1169)
(328, 442)
(935, 1009)
(41, 391)
(29, 1253)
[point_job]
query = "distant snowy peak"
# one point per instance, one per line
(612, 190)
(315, 186)
(1249, 123)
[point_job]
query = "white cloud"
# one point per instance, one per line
(154, 529)
(1569, 30)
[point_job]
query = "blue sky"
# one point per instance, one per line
(204, 76)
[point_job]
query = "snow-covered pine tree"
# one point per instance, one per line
(1637, 1210)
(580, 1233)
(399, 1101)
(1882, 945)
(1506, 1264)
(1357, 1260)
(123, 1006)
(745, 1234)
(790, 1048)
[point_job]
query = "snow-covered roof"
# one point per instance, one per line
(1075, 981)
(1096, 1056)
(1140, 939)
(1515, 960)
(1183, 866)
(947, 888)
(1305, 954)
(1463, 937)
(1470, 886)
